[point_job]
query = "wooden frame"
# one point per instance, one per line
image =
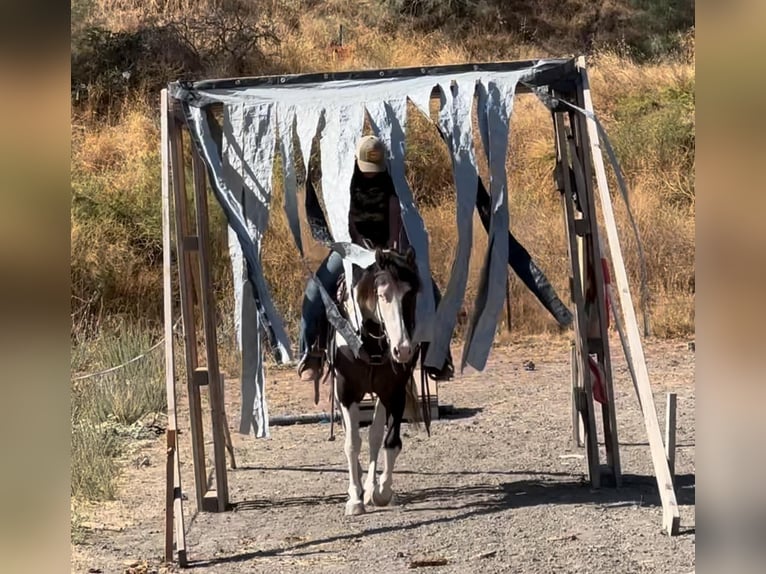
(192, 244)
(579, 159)
(671, 516)
(174, 516)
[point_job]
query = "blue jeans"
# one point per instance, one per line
(313, 318)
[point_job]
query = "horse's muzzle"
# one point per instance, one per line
(402, 353)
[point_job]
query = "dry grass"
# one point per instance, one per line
(647, 109)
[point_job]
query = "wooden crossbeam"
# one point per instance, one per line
(671, 516)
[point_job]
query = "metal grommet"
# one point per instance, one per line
(282, 80)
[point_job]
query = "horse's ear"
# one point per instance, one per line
(409, 256)
(378, 257)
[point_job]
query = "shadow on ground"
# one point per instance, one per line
(470, 501)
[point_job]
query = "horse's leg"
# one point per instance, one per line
(391, 448)
(353, 445)
(376, 440)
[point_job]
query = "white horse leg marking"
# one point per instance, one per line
(353, 445)
(384, 494)
(376, 440)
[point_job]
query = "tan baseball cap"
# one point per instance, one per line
(371, 155)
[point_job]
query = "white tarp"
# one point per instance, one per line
(255, 115)
(247, 150)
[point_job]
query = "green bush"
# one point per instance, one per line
(107, 409)
(129, 393)
(93, 464)
(654, 130)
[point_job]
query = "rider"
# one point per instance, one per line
(374, 222)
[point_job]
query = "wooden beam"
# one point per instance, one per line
(671, 516)
(581, 162)
(215, 381)
(187, 308)
(670, 433)
(174, 516)
(578, 431)
(191, 243)
(583, 369)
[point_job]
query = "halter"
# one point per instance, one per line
(378, 316)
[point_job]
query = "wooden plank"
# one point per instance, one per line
(201, 377)
(670, 433)
(215, 381)
(578, 431)
(174, 516)
(187, 309)
(191, 243)
(583, 370)
(671, 516)
(210, 501)
(599, 345)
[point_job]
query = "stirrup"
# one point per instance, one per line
(446, 373)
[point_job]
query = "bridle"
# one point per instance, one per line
(384, 336)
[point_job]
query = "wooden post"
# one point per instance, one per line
(215, 380)
(187, 308)
(578, 430)
(174, 516)
(581, 338)
(670, 433)
(598, 343)
(671, 516)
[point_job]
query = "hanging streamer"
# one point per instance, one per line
(271, 321)
(388, 120)
(455, 121)
(494, 111)
(248, 132)
(286, 124)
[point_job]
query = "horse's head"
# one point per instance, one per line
(390, 296)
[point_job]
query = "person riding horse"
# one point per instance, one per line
(374, 222)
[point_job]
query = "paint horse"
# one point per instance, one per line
(384, 298)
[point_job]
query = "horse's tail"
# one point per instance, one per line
(411, 408)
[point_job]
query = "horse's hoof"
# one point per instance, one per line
(354, 508)
(382, 497)
(369, 492)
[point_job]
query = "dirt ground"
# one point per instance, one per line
(498, 487)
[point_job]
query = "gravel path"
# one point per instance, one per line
(498, 487)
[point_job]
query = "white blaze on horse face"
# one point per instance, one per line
(390, 296)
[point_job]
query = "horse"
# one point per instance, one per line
(384, 296)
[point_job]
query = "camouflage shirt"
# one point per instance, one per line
(369, 206)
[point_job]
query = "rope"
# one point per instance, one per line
(126, 363)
